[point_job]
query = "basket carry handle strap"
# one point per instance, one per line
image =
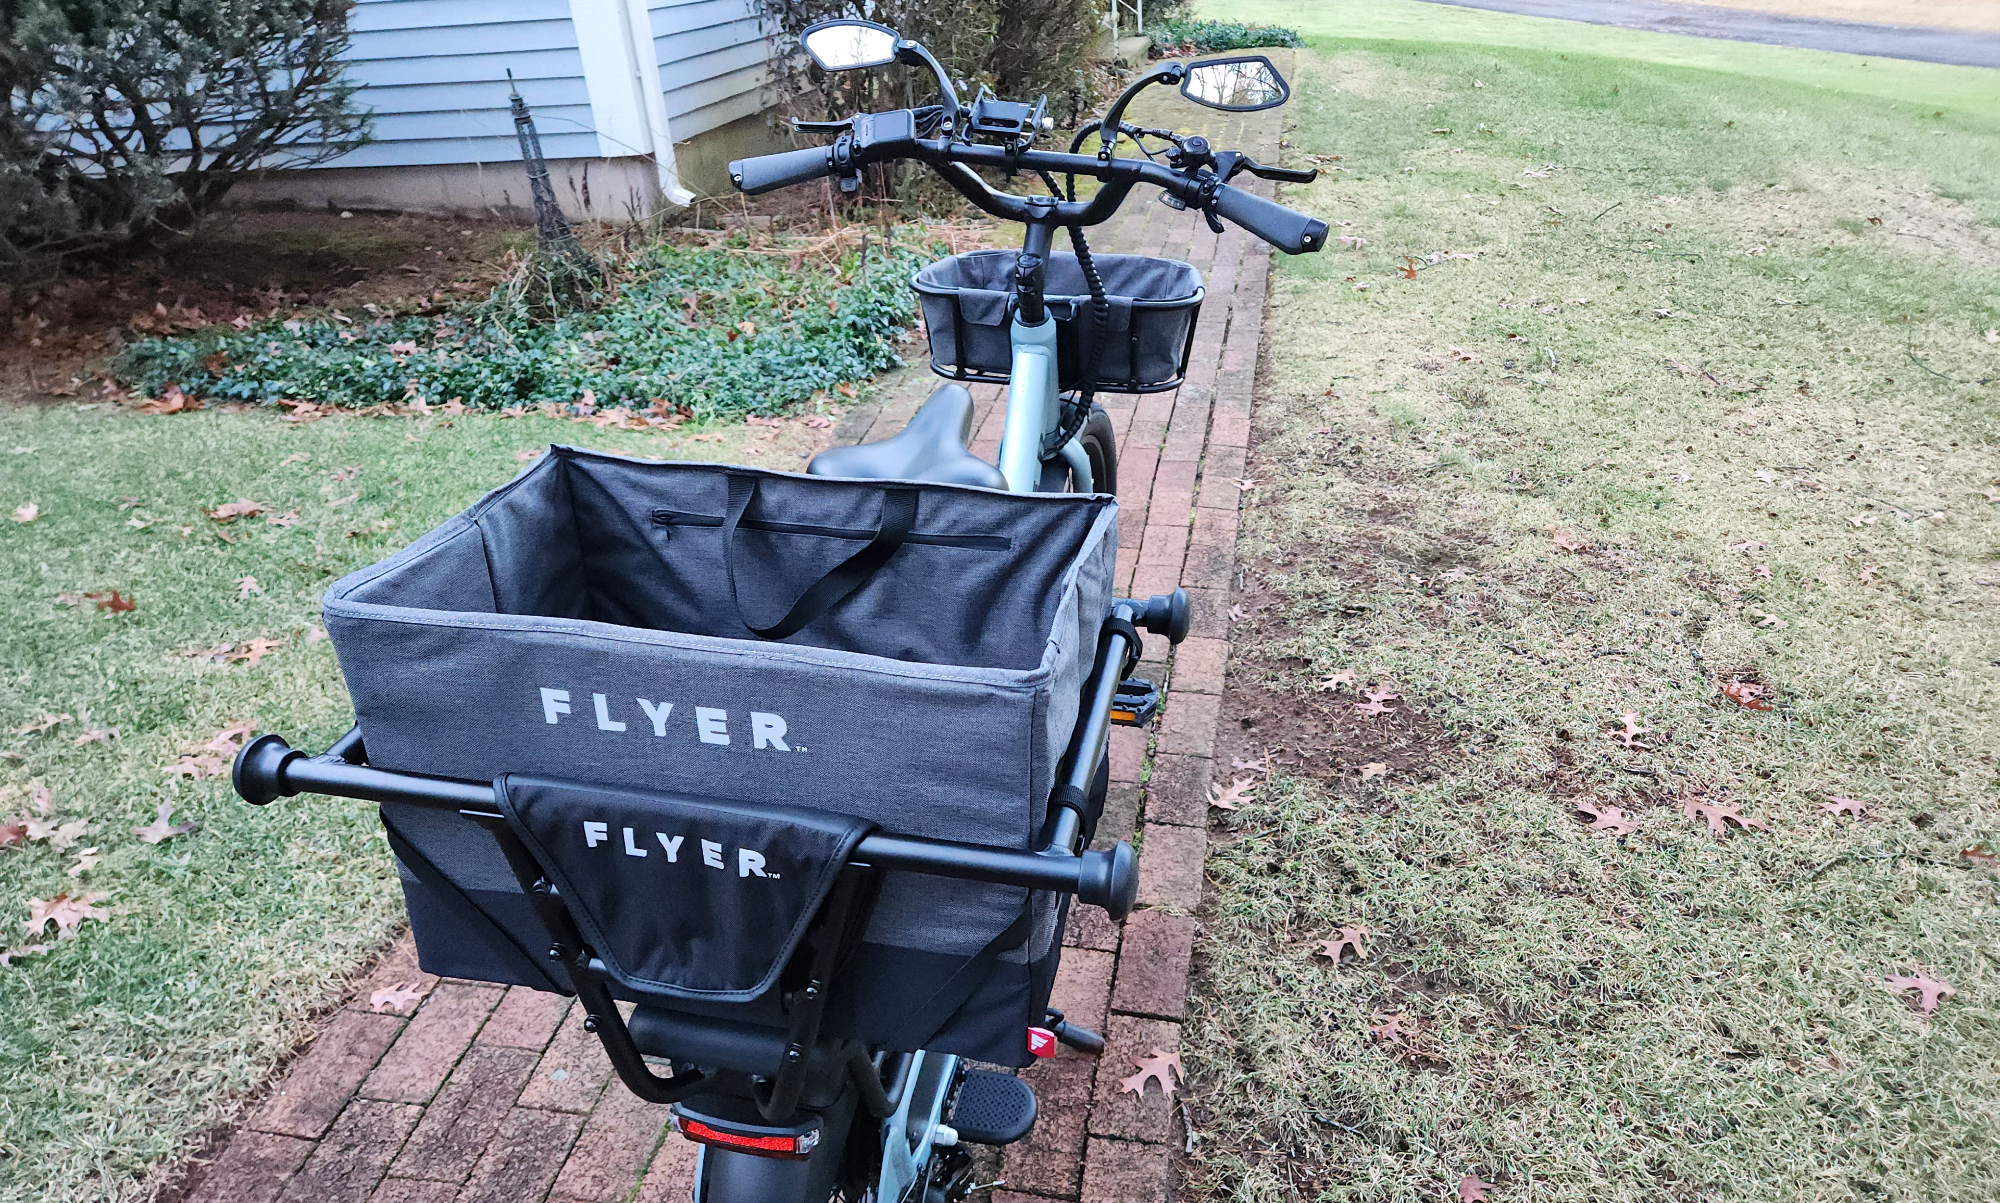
(930, 1015)
(899, 514)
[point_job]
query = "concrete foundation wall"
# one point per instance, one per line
(613, 190)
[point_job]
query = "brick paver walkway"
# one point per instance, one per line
(492, 1095)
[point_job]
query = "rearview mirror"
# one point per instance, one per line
(1236, 85)
(850, 45)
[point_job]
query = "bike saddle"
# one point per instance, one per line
(931, 447)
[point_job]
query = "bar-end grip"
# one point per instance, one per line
(1289, 230)
(762, 173)
(1110, 879)
(259, 771)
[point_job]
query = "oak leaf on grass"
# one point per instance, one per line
(1845, 806)
(1606, 818)
(1929, 990)
(1630, 733)
(1747, 694)
(247, 586)
(1472, 1190)
(161, 829)
(1241, 790)
(66, 911)
(1354, 939)
(27, 513)
(234, 510)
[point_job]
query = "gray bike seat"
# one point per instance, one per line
(931, 447)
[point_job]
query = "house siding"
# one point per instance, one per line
(714, 61)
(434, 73)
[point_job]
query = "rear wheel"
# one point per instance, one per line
(1100, 447)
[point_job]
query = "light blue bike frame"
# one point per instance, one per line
(1034, 397)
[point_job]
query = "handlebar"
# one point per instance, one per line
(881, 137)
(268, 768)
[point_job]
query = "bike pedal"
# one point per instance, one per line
(992, 1108)
(1135, 703)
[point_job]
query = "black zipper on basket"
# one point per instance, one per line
(671, 518)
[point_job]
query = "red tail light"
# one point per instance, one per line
(786, 1147)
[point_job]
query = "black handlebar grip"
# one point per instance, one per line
(766, 172)
(1289, 230)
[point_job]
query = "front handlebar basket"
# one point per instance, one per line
(968, 307)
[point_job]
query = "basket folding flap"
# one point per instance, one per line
(686, 896)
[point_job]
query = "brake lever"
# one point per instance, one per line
(1289, 175)
(822, 127)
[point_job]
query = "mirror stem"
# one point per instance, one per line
(917, 54)
(1108, 131)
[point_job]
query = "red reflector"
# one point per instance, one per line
(792, 1148)
(1041, 1042)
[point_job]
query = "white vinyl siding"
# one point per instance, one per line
(434, 73)
(713, 57)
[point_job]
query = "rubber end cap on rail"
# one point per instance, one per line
(1165, 614)
(259, 771)
(1110, 879)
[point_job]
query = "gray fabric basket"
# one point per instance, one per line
(579, 622)
(968, 303)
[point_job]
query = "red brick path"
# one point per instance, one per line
(492, 1095)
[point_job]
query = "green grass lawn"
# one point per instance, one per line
(145, 1028)
(1697, 382)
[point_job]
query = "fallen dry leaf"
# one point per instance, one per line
(1630, 733)
(197, 767)
(1245, 484)
(171, 401)
(1746, 694)
(229, 739)
(337, 502)
(1472, 1190)
(1162, 1067)
(288, 518)
(13, 832)
(102, 735)
(395, 998)
(1930, 991)
(1978, 854)
(1565, 541)
(37, 726)
(526, 456)
(86, 860)
(1390, 1029)
(247, 586)
(234, 510)
(1845, 806)
(27, 513)
(296, 457)
(1349, 939)
(1374, 769)
(1409, 269)
(253, 652)
(60, 836)
(1343, 677)
(160, 830)
(1606, 818)
(1719, 815)
(25, 950)
(113, 602)
(1241, 790)
(65, 911)
(348, 473)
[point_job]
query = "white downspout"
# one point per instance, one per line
(645, 69)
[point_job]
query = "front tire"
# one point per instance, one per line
(1100, 447)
